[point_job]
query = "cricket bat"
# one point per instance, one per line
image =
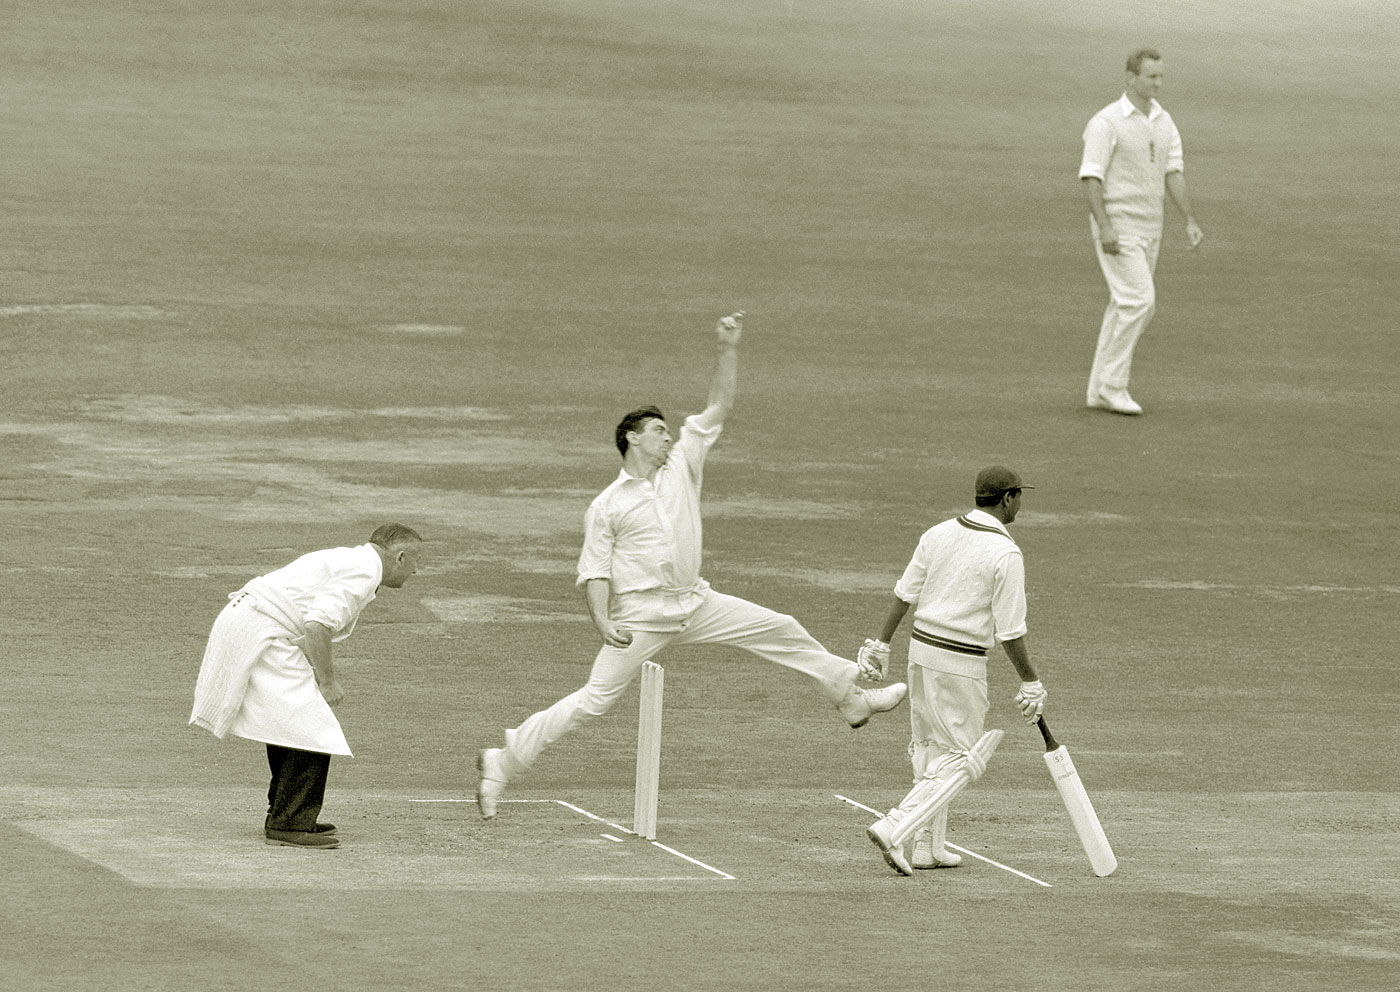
(1076, 800)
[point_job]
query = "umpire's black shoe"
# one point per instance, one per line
(301, 838)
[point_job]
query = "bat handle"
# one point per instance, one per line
(1050, 743)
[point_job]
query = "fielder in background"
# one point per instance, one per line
(1132, 153)
(640, 572)
(966, 584)
(268, 675)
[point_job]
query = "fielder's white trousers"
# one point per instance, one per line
(1132, 299)
(720, 620)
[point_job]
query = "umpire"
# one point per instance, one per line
(267, 673)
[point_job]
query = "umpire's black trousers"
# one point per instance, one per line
(298, 787)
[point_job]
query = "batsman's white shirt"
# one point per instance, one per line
(282, 704)
(645, 537)
(967, 583)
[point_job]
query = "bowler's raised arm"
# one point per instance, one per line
(725, 383)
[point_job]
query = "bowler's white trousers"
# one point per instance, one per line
(1132, 300)
(720, 620)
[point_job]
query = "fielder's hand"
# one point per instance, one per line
(1108, 239)
(731, 328)
(1031, 700)
(873, 657)
(331, 692)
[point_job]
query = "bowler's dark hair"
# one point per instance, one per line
(388, 535)
(993, 500)
(631, 422)
(1140, 56)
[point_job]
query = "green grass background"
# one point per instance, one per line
(887, 188)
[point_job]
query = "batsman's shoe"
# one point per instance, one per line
(860, 705)
(492, 782)
(926, 857)
(1115, 399)
(309, 839)
(879, 833)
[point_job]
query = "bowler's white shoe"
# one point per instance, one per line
(492, 783)
(879, 833)
(924, 856)
(861, 704)
(1116, 400)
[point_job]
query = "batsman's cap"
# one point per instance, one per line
(997, 479)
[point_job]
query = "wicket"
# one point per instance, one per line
(648, 751)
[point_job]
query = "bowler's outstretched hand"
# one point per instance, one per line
(731, 328)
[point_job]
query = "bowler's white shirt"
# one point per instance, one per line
(967, 583)
(1132, 153)
(644, 536)
(331, 587)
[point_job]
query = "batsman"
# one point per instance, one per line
(966, 585)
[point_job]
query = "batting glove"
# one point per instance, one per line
(872, 658)
(1031, 700)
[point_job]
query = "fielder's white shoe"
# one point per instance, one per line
(491, 784)
(879, 834)
(1115, 399)
(861, 704)
(924, 856)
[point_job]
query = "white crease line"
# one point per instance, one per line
(473, 801)
(638, 878)
(653, 843)
(591, 816)
(671, 850)
(998, 864)
(616, 840)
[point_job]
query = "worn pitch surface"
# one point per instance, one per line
(273, 275)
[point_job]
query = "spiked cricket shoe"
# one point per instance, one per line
(879, 833)
(861, 704)
(491, 784)
(1115, 399)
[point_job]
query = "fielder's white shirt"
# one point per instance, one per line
(645, 537)
(1132, 153)
(967, 581)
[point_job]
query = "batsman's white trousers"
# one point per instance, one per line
(948, 708)
(948, 704)
(719, 620)
(1132, 300)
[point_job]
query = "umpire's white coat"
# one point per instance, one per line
(255, 680)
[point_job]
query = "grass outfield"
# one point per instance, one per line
(275, 273)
